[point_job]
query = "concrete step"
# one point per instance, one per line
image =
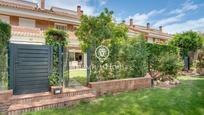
(30, 98)
(18, 109)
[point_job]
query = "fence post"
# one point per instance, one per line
(11, 66)
(186, 63)
(60, 65)
(66, 67)
(88, 65)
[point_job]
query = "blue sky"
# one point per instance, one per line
(174, 15)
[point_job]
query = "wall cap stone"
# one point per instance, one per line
(6, 92)
(128, 79)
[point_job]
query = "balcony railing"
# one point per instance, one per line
(26, 35)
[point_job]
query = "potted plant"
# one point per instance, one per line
(53, 80)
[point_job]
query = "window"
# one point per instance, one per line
(71, 56)
(26, 22)
(61, 26)
(150, 40)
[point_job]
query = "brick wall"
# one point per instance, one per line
(114, 86)
(44, 24)
(5, 100)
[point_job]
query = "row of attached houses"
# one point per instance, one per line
(29, 20)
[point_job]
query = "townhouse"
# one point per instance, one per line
(29, 20)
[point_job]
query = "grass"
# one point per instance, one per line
(77, 73)
(185, 99)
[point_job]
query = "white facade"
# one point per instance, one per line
(5, 19)
(150, 40)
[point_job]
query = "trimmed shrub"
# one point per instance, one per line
(136, 56)
(156, 58)
(5, 34)
(169, 65)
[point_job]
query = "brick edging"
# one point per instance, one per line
(121, 85)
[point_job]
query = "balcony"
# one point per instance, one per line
(26, 35)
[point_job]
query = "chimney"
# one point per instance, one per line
(160, 28)
(79, 11)
(148, 26)
(42, 4)
(131, 22)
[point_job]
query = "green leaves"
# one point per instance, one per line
(101, 30)
(162, 59)
(169, 64)
(136, 56)
(56, 38)
(187, 41)
(200, 61)
(5, 34)
(97, 30)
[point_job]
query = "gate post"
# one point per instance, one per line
(60, 65)
(66, 67)
(11, 66)
(88, 66)
(186, 63)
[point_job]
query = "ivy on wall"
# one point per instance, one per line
(56, 38)
(5, 34)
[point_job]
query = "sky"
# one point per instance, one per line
(175, 16)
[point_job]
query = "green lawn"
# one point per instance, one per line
(77, 73)
(185, 99)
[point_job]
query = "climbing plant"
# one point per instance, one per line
(5, 34)
(57, 39)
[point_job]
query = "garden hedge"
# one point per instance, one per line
(156, 52)
(157, 49)
(5, 34)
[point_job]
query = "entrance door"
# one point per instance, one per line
(29, 68)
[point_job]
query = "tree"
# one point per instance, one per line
(187, 42)
(5, 34)
(56, 38)
(101, 30)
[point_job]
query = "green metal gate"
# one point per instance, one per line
(29, 68)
